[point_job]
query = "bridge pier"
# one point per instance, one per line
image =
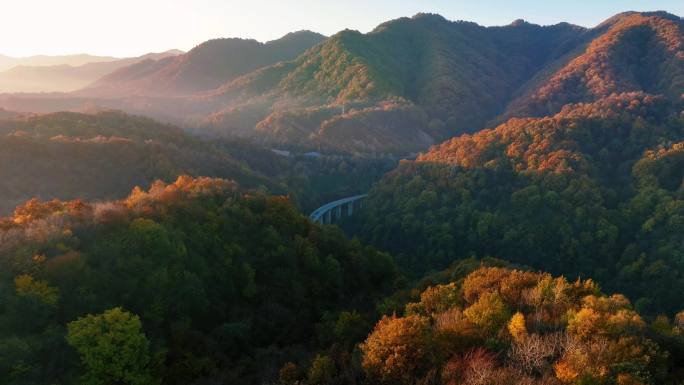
(334, 211)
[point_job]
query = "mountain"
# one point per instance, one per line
(451, 76)
(205, 67)
(102, 156)
(582, 177)
(593, 190)
(5, 114)
(7, 62)
(408, 84)
(459, 76)
(539, 240)
(66, 77)
(630, 52)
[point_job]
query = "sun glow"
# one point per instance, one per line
(134, 27)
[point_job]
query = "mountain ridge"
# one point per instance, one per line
(197, 70)
(7, 62)
(456, 77)
(597, 71)
(66, 77)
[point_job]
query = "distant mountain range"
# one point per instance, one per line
(7, 62)
(65, 76)
(207, 66)
(406, 85)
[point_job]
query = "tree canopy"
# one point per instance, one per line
(218, 284)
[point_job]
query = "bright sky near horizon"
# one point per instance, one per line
(134, 27)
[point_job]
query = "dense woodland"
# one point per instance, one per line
(501, 326)
(199, 281)
(545, 246)
(594, 191)
(190, 282)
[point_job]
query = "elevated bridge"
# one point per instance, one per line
(334, 211)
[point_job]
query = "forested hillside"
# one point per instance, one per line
(197, 281)
(510, 327)
(593, 191)
(396, 89)
(634, 52)
(531, 234)
(102, 156)
(409, 83)
(591, 187)
(205, 67)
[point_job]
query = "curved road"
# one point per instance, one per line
(323, 214)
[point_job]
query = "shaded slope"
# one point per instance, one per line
(205, 67)
(102, 156)
(459, 75)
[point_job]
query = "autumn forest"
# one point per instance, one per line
(523, 223)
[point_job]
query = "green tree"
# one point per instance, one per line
(25, 285)
(113, 348)
(350, 327)
(322, 370)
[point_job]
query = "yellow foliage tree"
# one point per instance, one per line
(517, 328)
(436, 299)
(489, 312)
(398, 350)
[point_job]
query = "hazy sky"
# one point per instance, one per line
(133, 27)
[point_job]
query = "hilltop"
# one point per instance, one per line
(207, 66)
